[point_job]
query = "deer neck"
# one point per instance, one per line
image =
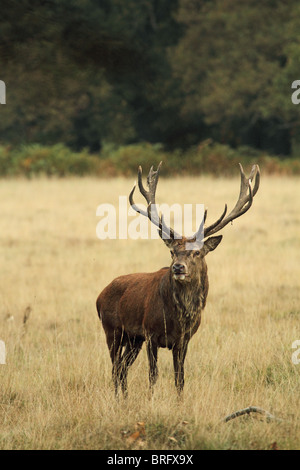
(189, 297)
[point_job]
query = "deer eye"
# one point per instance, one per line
(197, 253)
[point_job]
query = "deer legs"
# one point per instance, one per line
(121, 362)
(179, 353)
(152, 358)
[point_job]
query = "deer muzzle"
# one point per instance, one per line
(179, 271)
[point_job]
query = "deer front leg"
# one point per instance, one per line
(152, 358)
(179, 353)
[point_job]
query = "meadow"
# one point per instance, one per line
(55, 388)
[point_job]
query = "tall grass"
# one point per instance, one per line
(56, 390)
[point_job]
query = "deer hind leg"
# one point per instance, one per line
(132, 349)
(114, 343)
(152, 358)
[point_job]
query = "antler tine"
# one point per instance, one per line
(140, 183)
(133, 205)
(200, 229)
(245, 186)
(149, 195)
(212, 226)
(150, 175)
(152, 180)
(164, 229)
(155, 218)
(243, 203)
(257, 180)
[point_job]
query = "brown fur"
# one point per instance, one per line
(155, 308)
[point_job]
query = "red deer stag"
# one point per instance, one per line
(163, 308)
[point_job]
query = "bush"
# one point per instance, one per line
(126, 159)
(36, 159)
(206, 158)
(6, 161)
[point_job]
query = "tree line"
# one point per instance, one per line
(176, 72)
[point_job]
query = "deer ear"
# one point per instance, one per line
(211, 244)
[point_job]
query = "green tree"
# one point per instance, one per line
(235, 67)
(86, 72)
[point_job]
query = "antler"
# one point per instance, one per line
(152, 180)
(243, 204)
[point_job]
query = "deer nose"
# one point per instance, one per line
(178, 268)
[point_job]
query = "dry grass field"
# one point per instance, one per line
(55, 388)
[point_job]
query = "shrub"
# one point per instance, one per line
(206, 158)
(36, 159)
(6, 161)
(126, 159)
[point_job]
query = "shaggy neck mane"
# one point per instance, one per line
(189, 298)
